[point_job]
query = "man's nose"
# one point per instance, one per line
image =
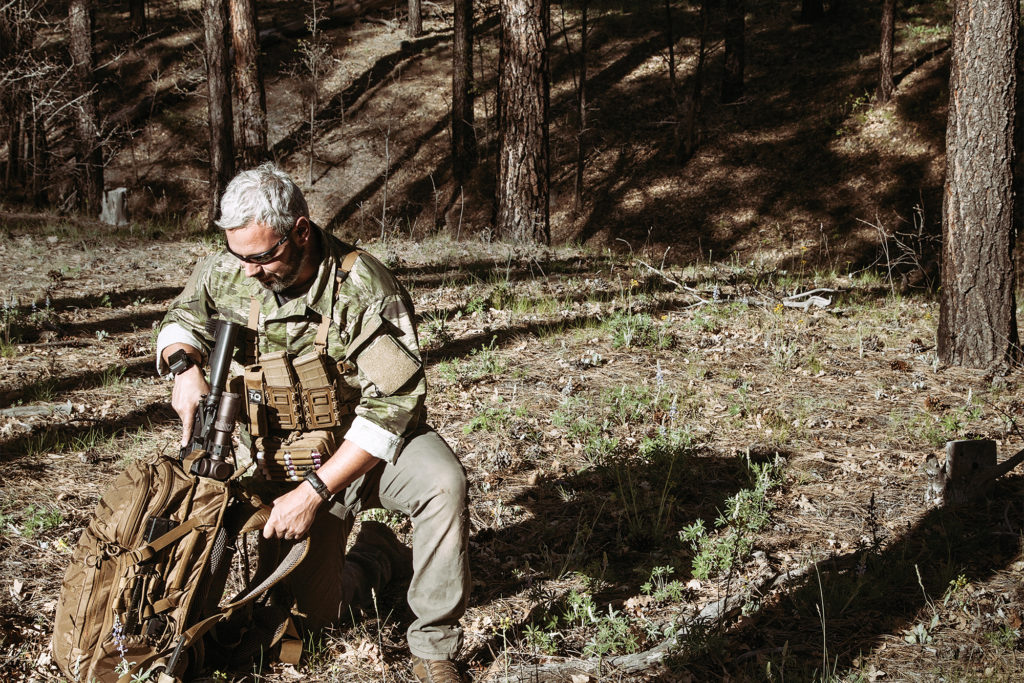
(251, 269)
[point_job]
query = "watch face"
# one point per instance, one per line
(180, 362)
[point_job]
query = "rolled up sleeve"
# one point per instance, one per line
(383, 421)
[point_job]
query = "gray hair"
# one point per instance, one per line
(266, 195)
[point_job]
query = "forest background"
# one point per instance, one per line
(681, 468)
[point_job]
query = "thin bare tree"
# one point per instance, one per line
(88, 153)
(735, 50)
(464, 148)
(137, 15)
(414, 29)
(222, 158)
(886, 86)
(251, 116)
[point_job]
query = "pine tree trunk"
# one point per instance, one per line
(13, 144)
(735, 48)
(523, 166)
(252, 100)
(977, 319)
(695, 110)
(885, 82)
(137, 15)
(581, 110)
(415, 27)
(40, 150)
(463, 133)
(215, 18)
(88, 154)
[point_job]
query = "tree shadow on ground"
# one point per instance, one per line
(612, 523)
(868, 597)
(81, 434)
(86, 379)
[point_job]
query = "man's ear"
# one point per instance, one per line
(302, 229)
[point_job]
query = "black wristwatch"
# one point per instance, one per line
(179, 362)
(318, 484)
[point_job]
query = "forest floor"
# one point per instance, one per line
(674, 475)
(655, 458)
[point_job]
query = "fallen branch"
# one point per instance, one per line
(805, 300)
(627, 665)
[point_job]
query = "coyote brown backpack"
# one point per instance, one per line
(145, 580)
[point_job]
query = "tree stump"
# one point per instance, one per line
(114, 211)
(966, 473)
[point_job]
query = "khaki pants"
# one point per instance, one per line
(428, 483)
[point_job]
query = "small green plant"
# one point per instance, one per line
(37, 519)
(745, 513)
(44, 390)
(614, 635)
(489, 420)
(921, 634)
(574, 416)
(661, 588)
(541, 641)
(648, 502)
(435, 332)
(598, 449)
(1005, 638)
(638, 330)
(113, 376)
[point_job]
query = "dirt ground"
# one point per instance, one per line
(604, 398)
(528, 370)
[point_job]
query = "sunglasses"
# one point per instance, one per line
(263, 257)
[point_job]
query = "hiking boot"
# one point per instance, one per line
(436, 670)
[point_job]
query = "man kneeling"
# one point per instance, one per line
(334, 420)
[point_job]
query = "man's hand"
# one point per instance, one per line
(189, 387)
(293, 513)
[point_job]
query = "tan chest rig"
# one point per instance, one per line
(292, 404)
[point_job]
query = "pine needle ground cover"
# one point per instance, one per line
(674, 473)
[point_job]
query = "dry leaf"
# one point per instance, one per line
(16, 588)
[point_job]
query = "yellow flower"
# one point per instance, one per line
(633, 282)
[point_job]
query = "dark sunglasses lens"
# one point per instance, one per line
(260, 259)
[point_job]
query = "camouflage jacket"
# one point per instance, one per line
(366, 303)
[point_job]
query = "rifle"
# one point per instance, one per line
(210, 439)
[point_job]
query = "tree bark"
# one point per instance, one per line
(137, 15)
(215, 19)
(252, 100)
(13, 145)
(670, 37)
(463, 132)
(414, 29)
(977, 318)
(89, 155)
(886, 86)
(523, 99)
(735, 49)
(581, 109)
(694, 112)
(40, 151)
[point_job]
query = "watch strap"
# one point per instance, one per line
(318, 484)
(179, 362)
